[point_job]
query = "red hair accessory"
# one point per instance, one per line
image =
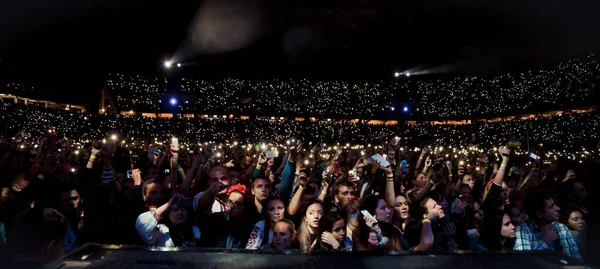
(240, 188)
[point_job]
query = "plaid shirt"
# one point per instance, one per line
(527, 237)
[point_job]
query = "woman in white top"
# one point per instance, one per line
(262, 233)
(168, 225)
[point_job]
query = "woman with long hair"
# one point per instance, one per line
(350, 213)
(309, 226)
(376, 233)
(419, 230)
(168, 226)
(498, 233)
(575, 220)
(333, 234)
(262, 232)
(400, 212)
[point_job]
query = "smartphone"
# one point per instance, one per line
(272, 154)
(396, 141)
(157, 152)
(175, 141)
(167, 171)
(129, 173)
(404, 166)
(368, 215)
(380, 160)
(533, 156)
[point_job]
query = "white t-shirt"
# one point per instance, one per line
(216, 206)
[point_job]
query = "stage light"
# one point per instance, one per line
(168, 64)
(392, 108)
(396, 74)
(178, 65)
(407, 74)
(405, 109)
(173, 101)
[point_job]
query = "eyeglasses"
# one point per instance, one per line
(232, 203)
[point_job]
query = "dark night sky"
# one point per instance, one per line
(70, 45)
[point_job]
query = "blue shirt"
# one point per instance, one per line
(527, 237)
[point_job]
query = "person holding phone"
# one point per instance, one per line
(168, 225)
(374, 229)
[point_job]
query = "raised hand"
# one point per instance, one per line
(504, 152)
(329, 239)
(229, 164)
(262, 159)
(217, 187)
(428, 162)
(137, 177)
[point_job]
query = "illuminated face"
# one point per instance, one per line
(576, 221)
(382, 212)
(339, 231)
(220, 175)
(275, 211)
(420, 181)
(344, 194)
(432, 206)
(177, 215)
(401, 207)
(282, 239)
(508, 229)
(261, 189)
(468, 179)
(313, 215)
(235, 204)
(550, 212)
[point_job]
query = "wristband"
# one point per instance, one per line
(324, 192)
(93, 157)
(40, 176)
(300, 187)
(390, 175)
(426, 220)
(431, 182)
(384, 241)
(258, 166)
(390, 180)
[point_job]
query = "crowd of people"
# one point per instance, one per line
(71, 178)
(559, 132)
(567, 85)
(281, 184)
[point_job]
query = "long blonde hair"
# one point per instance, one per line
(304, 230)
